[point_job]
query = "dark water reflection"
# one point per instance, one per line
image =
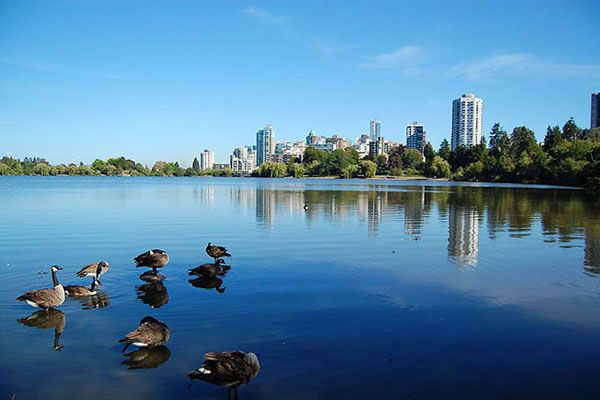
(47, 319)
(428, 289)
(154, 294)
(146, 358)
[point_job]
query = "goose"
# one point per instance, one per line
(46, 298)
(154, 259)
(216, 252)
(151, 276)
(146, 358)
(150, 333)
(95, 270)
(47, 319)
(210, 270)
(230, 369)
(77, 290)
(305, 206)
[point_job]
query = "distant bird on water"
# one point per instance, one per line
(305, 207)
(154, 259)
(150, 333)
(210, 270)
(229, 369)
(95, 270)
(46, 298)
(216, 252)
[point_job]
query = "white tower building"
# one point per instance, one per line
(466, 121)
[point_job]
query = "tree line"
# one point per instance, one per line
(568, 156)
(112, 167)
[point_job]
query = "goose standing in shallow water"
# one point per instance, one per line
(154, 259)
(229, 369)
(77, 290)
(150, 333)
(216, 252)
(95, 270)
(46, 298)
(210, 270)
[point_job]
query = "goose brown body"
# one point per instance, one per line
(210, 270)
(77, 290)
(229, 369)
(154, 259)
(216, 252)
(46, 298)
(95, 270)
(150, 333)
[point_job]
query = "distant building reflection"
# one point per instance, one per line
(414, 213)
(463, 235)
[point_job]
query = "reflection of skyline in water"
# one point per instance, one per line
(463, 235)
(463, 208)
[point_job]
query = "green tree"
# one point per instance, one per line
(522, 139)
(439, 168)
(272, 169)
(296, 170)
(552, 139)
(350, 171)
(381, 161)
(196, 165)
(445, 151)
(429, 153)
(411, 159)
(368, 168)
(570, 130)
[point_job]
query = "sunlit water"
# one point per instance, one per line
(380, 289)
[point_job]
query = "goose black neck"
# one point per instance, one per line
(93, 286)
(54, 278)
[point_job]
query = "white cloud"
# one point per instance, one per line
(521, 64)
(408, 58)
(265, 16)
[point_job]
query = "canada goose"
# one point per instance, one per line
(150, 333)
(95, 270)
(46, 298)
(154, 294)
(210, 270)
(305, 206)
(151, 276)
(154, 259)
(216, 252)
(208, 283)
(146, 358)
(47, 319)
(229, 369)
(77, 290)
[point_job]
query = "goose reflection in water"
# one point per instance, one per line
(99, 300)
(153, 294)
(47, 320)
(208, 283)
(147, 358)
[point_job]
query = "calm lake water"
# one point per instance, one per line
(379, 290)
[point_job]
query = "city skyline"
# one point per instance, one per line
(167, 81)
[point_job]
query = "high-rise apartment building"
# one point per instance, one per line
(207, 159)
(375, 130)
(416, 137)
(466, 121)
(265, 144)
(595, 120)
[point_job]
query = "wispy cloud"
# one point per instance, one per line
(521, 64)
(409, 60)
(265, 15)
(33, 65)
(329, 47)
(52, 67)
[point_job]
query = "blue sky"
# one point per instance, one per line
(162, 80)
